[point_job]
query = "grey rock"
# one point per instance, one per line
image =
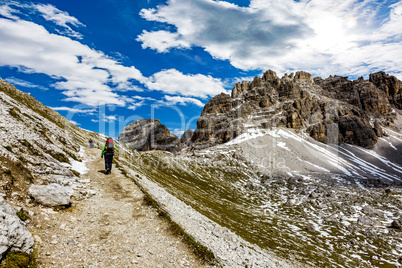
(52, 194)
(343, 116)
(397, 224)
(367, 221)
(13, 233)
(149, 134)
(372, 212)
(186, 137)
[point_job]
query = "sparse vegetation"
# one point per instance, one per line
(59, 156)
(202, 252)
(22, 215)
(19, 260)
(15, 112)
(76, 173)
(30, 147)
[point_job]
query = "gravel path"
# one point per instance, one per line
(114, 228)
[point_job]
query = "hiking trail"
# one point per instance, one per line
(113, 228)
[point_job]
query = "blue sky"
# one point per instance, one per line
(106, 63)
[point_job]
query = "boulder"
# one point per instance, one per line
(14, 236)
(51, 195)
(397, 224)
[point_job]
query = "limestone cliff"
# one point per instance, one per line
(149, 134)
(332, 110)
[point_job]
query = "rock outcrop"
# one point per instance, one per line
(390, 85)
(332, 110)
(14, 236)
(149, 134)
(186, 137)
(51, 195)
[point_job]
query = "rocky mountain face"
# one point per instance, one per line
(149, 134)
(333, 110)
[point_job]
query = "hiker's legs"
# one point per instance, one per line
(108, 161)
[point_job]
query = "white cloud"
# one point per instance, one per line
(177, 132)
(173, 100)
(23, 83)
(60, 18)
(7, 11)
(84, 74)
(74, 110)
(111, 118)
(174, 82)
(74, 122)
(134, 106)
(313, 35)
(161, 40)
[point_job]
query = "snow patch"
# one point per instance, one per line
(250, 134)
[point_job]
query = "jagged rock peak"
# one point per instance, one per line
(332, 110)
(390, 85)
(149, 134)
(269, 78)
(186, 137)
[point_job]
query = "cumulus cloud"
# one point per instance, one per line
(84, 74)
(161, 40)
(314, 35)
(174, 82)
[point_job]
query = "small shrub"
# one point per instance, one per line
(22, 215)
(19, 260)
(8, 147)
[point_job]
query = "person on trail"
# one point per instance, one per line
(91, 143)
(108, 152)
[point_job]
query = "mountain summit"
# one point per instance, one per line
(333, 110)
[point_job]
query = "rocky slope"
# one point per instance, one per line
(149, 134)
(50, 190)
(333, 110)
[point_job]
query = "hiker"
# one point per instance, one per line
(91, 143)
(108, 152)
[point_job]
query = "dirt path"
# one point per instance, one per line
(114, 228)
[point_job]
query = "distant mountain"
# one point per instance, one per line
(333, 110)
